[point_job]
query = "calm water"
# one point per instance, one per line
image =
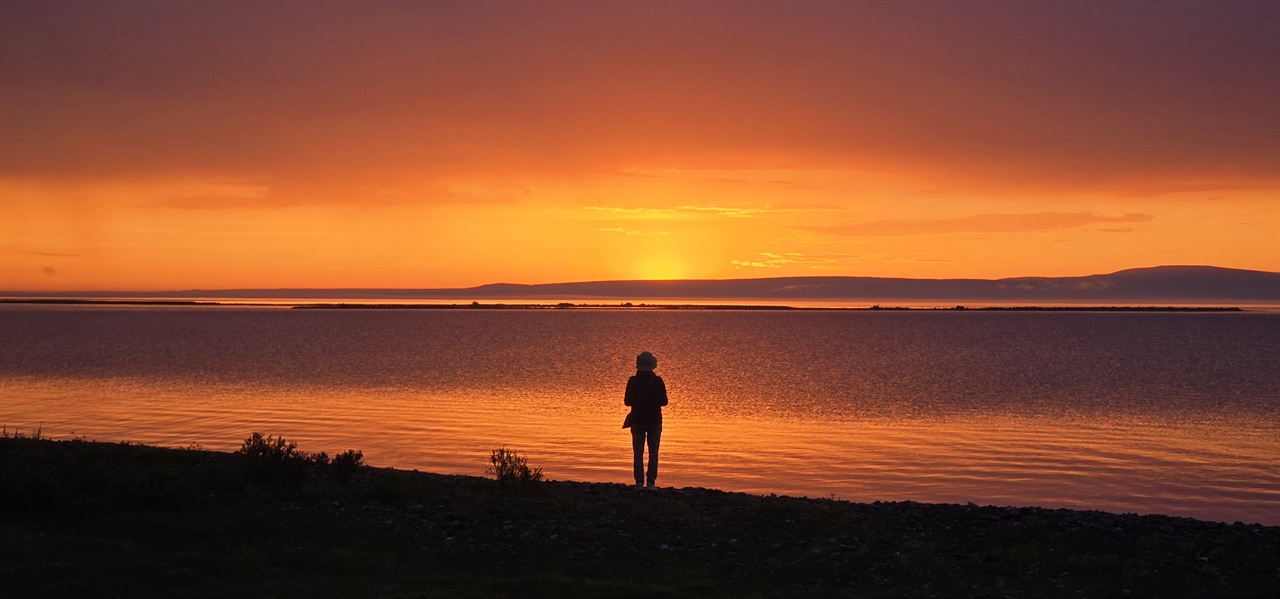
(1172, 413)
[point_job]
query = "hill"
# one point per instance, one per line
(1163, 283)
(1171, 284)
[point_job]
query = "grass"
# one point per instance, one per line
(81, 518)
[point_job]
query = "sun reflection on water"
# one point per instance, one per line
(1207, 470)
(1168, 413)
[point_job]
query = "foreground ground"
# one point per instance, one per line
(93, 519)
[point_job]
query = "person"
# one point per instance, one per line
(646, 394)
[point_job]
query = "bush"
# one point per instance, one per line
(345, 465)
(506, 465)
(270, 448)
(274, 458)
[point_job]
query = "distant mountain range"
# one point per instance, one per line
(1158, 284)
(1187, 283)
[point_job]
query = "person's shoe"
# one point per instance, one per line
(639, 486)
(651, 487)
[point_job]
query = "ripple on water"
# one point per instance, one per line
(1170, 413)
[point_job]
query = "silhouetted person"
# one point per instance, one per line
(646, 394)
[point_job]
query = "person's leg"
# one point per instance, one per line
(637, 450)
(655, 437)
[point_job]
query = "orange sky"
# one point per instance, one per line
(176, 145)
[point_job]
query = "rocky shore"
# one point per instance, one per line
(82, 518)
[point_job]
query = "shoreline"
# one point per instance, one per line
(112, 518)
(613, 306)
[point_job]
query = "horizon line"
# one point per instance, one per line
(486, 286)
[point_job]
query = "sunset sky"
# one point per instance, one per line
(178, 145)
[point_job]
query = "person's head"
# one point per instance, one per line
(646, 361)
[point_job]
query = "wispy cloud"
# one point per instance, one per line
(772, 260)
(631, 231)
(776, 184)
(755, 211)
(292, 194)
(725, 211)
(617, 210)
(223, 202)
(983, 223)
(728, 211)
(752, 211)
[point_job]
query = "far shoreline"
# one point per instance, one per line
(476, 305)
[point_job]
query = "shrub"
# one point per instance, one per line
(270, 448)
(506, 465)
(276, 459)
(345, 465)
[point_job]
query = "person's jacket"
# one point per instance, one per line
(646, 394)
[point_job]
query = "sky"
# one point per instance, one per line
(213, 145)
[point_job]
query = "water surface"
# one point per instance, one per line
(1171, 413)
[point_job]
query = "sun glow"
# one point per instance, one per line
(662, 266)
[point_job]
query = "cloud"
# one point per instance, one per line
(772, 260)
(629, 210)
(1114, 229)
(1051, 94)
(780, 184)
(982, 223)
(730, 212)
(726, 211)
(291, 194)
(631, 231)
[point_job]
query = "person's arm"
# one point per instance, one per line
(629, 398)
(662, 392)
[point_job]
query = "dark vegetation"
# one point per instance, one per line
(273, 460)
(508, 466)
(82, 519)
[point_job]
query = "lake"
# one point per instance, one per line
(1172, 413)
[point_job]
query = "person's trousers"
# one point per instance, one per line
(640, 435)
